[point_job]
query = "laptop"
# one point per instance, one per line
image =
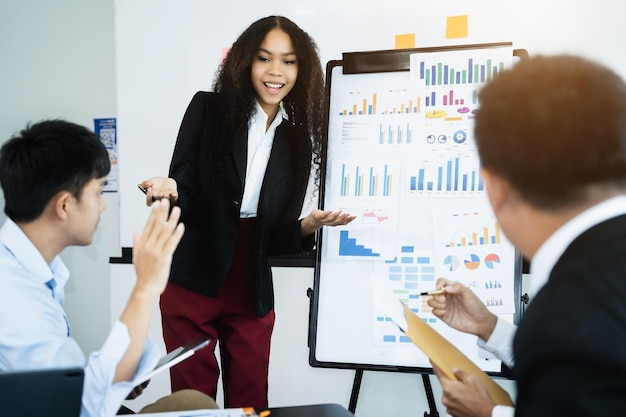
(44, 392)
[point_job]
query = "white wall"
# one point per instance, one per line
(57, 60)
(166, 50)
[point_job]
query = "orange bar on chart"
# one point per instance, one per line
(497, 232)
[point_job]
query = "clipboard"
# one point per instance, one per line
(176, 356)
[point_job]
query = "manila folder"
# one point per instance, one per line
(447, 357)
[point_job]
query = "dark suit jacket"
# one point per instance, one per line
(570, 348)
(203, 258)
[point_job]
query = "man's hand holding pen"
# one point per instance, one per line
(461, 309)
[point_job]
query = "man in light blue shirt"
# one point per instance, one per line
(53, 175)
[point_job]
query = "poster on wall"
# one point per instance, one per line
(107, 132)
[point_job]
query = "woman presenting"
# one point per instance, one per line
(239, 172)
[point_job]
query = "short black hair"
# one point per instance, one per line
(555, 128)
(46, 158)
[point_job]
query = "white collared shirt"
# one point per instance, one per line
(552, 249)
(259, 149)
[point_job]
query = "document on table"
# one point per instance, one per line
(227, 412)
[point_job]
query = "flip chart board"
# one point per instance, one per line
(400, 156)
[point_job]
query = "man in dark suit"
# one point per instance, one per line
(551, 135)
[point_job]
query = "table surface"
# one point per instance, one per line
(316, 410)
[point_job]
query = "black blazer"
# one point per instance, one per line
(570, 348)
(204, 255)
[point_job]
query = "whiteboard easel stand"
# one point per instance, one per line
(356, 387)
(358, 378)
(375, 62)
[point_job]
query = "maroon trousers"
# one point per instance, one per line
(229, 317)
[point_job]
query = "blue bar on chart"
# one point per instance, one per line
(358, 187)
(431, 100)
(345, 181)
(448, 177)
(348, 247)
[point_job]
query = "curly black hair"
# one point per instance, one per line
(304, 104)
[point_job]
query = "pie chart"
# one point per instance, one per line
(491, 260)
(459, 136)
(473, 262)
(451, 262)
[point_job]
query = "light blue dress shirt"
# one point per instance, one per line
(35, 332)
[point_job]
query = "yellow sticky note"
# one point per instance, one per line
(456, 27)
(405, 41)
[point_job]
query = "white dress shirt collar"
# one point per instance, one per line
(552, 249)
(260, 143)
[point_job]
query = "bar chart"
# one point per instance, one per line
(472, 71)
(348, 246)
(365, 180)
(453, 174)
(390, 102)
(489, 234)
(451, 97)
(395, 134)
